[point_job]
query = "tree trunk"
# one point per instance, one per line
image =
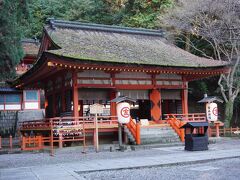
(228, 113)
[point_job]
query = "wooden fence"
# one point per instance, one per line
(224, 131)
(8, 142)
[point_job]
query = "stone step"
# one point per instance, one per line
(157, 132)
(154, 135)
(165, 136)
(159, 138)
(163, 140)
(154, 128)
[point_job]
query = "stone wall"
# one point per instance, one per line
(8, 123)
(30, 115)
(9, 120)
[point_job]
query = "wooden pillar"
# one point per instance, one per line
(54, 100)
(80, 102)
(63, 95)
(185, 98)
(60, 144)
(217, 129)
(75, 94)
(155, 98)
(113, 111)
(10, 142)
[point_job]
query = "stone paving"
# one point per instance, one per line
(69, 164)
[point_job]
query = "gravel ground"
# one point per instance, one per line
(221, 169)
(74, 155)
(68, 155)
(216, 170)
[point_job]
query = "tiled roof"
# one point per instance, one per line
(30, 46)
(114, 44)
(7, 89)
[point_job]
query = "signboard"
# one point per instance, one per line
(96, 109)
(212, 111)
(123, 112)
(144, 122)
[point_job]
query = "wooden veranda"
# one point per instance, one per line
(37, 134)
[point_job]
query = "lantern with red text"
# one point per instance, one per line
(123, 112)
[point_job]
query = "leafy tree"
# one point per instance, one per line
(97, 11)
(12, 19)
(40, 10)
(144, 13)
(132, 13)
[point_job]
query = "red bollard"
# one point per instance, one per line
(60, 140)
(0, 142)
(10, 142)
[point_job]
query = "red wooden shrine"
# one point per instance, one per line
(80, 64)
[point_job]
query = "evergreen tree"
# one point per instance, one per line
(132, 13)
(144, 13)
(13, 13)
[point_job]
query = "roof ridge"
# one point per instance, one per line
(30, 40)
(102, 27)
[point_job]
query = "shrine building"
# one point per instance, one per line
(80, 64)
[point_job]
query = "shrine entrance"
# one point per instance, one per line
(89, 96)
(142, 108)
(171, 102)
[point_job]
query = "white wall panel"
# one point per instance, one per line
(12, 107)
(31, 105)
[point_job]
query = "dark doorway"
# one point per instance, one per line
(171, 107)
(142, 110)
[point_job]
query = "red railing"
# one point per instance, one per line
(212, 131)
(188, 117)
(103, 121)
(32, 143)
(176, 124)
(8, 145)
(134, 128)
(176, 121)
(62, 129)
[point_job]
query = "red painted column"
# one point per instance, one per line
(10, 142)
(75, 94)
(80, 102)
(185, 98)
(155, 98)
(217, 129)
(113, 111)
(63, 95)
(54, 100)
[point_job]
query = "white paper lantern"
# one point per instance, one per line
(123, 112)
(212, 111)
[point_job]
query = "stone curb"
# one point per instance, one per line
(103, 148)
(159, 165)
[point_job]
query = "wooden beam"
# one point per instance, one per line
(125, 86)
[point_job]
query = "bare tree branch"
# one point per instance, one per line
(218, 22)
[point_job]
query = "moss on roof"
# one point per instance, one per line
(30, 47)
(119, 47)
